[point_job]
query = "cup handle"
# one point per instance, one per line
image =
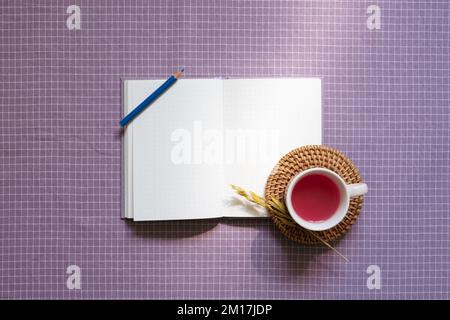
(357, 189)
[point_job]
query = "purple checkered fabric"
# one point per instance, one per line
(386, 104)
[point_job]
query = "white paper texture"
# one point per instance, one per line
(275, 116)
(162, 189)
(185, 149)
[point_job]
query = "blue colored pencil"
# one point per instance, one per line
(151, 98)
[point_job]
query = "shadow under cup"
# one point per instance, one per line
(318, 199)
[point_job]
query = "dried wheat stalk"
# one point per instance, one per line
(279, 209)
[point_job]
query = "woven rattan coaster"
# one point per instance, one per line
(299, 160)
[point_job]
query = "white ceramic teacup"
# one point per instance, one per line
(346, 191)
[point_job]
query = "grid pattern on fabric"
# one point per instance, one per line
(386, 95)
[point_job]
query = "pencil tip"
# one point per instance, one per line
(178, 74)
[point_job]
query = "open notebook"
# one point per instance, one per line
(183, 152)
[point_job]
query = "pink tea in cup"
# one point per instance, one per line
(315, 197)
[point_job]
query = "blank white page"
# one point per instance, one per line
(170, 178)
(266, 118)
